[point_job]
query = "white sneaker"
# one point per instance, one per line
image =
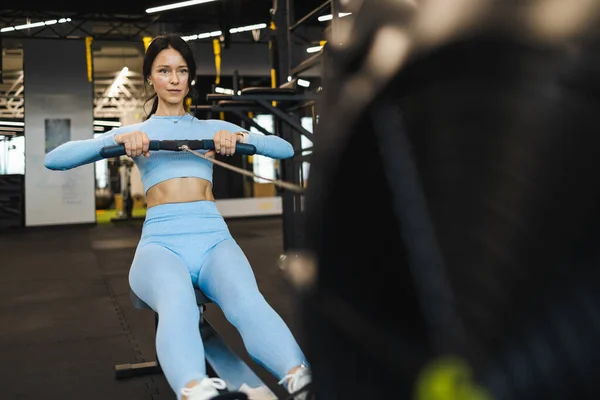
(297, 381)
(259, 393)
(206, 389)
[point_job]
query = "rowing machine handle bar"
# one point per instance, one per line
(119, 149)
(241, 148)
(174, 145)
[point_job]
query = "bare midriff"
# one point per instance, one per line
(179, 190)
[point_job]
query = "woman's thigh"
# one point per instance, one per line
(158, 276)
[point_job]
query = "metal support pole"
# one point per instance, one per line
(290, 20)
(335, 14)
(309, 16)
(290, 168)
(288, 119)
(1, 51)
(280, 48)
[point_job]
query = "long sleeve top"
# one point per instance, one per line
(163, 165)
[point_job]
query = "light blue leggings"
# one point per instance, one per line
(188, 244)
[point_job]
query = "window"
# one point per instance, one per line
(12, 155)
(306, 143)
(263, 166)
(101, 170)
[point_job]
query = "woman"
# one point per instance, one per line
(185, 241)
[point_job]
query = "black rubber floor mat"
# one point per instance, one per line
(66, 318)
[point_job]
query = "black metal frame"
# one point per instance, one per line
(12, 201)
(129, 370)
(265, 101)
(239, 111)
(111, 27)
(221, 361)
(296, 68)
(136, 26)
(288, 53)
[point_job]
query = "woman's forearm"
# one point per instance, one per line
(78, 152)
(270, 146)
(266, 145)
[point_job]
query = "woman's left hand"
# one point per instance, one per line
(225, 142)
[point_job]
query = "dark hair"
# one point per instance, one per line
(157, 45)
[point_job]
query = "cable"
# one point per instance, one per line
(285, 185)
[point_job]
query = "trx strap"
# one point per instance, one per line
(147, 40)
(88, 57)
(217, 51)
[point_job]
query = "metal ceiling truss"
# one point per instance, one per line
(112, 98)
(105, 27)
(98, 26)
(116, 97)
(11, 96)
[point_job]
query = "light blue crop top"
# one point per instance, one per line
(163, 165)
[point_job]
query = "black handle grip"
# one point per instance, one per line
(174, 145)
(119, 149)
(113, 151)
(241, 148)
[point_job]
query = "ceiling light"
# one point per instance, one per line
(221, 90)
(12, 123)
(219, 33)
(202, 35)
(330, 17)
(177, 5)
(35, 25)
(107, 123)
(247, 28)
(113, 91)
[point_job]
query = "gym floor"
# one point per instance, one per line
(67, 319)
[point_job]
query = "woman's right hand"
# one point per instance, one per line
(136, 143)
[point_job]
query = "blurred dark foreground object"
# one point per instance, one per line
(453, 209)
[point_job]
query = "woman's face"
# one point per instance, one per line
(170, 76)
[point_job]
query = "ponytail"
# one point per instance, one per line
(154, 105)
